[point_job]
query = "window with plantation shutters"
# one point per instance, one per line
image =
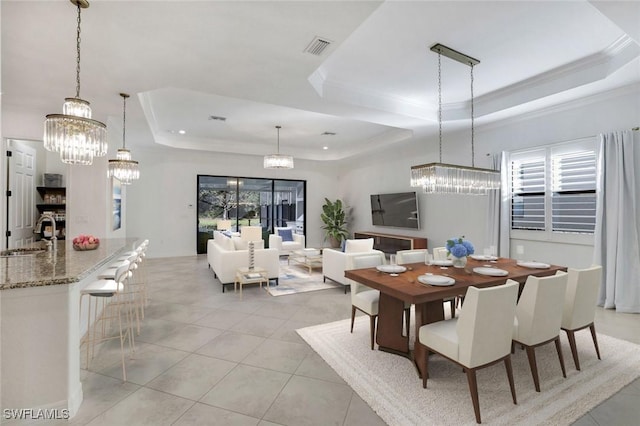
(528, 193)
(573, 197)
(553, 190)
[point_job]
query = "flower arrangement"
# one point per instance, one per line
(459, 247)
(86, 242)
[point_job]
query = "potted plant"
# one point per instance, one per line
(334, 219)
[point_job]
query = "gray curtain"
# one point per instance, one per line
(493, 218)
(616, 245)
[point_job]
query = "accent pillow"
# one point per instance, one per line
(226, 244)
(286, 234)
(358, 246)
(239, 243)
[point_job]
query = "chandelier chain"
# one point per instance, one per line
(78, 54)
(124, 119)
(473, 156)
(440, 103)
(278, 146)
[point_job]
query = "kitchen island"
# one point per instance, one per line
(40, 324)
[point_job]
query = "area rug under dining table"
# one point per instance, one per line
(390, 384)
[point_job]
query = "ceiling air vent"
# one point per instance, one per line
(317, 46)
(217, 118)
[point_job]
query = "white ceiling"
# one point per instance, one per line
(375, 85)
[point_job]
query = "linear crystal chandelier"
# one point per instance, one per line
(278, 161)
(74, 134)
(123, 167)
(440, 178)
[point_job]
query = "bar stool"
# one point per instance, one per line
(114, 291)
(131, 289)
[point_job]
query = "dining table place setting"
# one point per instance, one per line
(533, 264)
(436, 280)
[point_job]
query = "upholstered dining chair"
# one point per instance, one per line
(580, 300)
(478, 338)
(366, 299)
(538, 317)
(419, 255)
(440, 253)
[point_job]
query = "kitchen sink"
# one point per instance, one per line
(21, 252)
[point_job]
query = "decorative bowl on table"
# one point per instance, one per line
(85, 242)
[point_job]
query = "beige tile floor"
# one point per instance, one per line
(208, 358)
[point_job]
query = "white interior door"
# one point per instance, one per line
(21, 205)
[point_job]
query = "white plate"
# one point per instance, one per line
(494, 272)
(531, 264)
(442, 263)
(392, 269)
(437, 280)
(483, 257)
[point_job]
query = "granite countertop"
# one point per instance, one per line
(62, 266)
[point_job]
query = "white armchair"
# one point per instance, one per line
(285, 240)
(334, 261)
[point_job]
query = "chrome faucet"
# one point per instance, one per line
(53, 243)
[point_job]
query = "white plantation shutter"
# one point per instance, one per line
(573, 187)
(528, 192)
(553, 189)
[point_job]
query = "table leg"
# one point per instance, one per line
(390, 325)
(426, 313)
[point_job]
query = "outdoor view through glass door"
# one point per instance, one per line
(228, 203)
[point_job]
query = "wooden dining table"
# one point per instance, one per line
(428, 299)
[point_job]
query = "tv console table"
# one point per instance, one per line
(389, 243)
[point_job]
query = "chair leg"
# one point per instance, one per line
(531, 354)
(560, 357)
(353, 316)
(574, 350)
(424, 365)
(473, 388)
(507, 365)
(372, 325)
(592, 328)
(407, 319)
(452, 304)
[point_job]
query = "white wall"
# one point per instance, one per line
(162, 205)
(443, 217)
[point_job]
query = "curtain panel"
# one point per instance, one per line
(617, 246)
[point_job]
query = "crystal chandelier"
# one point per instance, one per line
(278, 161)
(123, 167)
(440, 178)
(73, 134)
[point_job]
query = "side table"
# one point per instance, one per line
(246, 276)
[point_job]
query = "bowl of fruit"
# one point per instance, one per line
(85, 242)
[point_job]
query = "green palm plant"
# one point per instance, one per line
(334, 218)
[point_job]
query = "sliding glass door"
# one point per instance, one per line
(228, 203)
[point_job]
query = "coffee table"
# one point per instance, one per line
(309, 257)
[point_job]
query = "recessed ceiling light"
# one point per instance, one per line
(182, 132)
(325, 147)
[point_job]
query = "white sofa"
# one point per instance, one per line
(286, 247)
(226, 255)
(334, 261)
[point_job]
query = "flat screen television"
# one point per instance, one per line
(398, 210)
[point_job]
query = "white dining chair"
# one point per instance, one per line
(440, 253)
(538, 318)
(579, 311)
(478, 338)
(366, 299)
